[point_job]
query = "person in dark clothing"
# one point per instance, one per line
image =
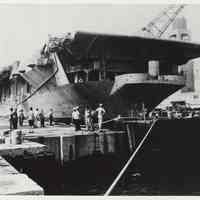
(11, 118)
(31, 118)
(15, 119)
(51, 117)
(21, 117)
(42, 118)
(92, 120)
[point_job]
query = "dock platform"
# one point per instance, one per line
(13, 182)
(19, 149)
(68, 144)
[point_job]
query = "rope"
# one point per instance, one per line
(110, 120)
(118, 118)
(128, 162)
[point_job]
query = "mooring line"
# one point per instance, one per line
(128, 162)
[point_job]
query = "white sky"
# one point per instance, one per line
(25, 28)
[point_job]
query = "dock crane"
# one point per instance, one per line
(157, 27)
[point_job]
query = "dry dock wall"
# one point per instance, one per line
(68, 148)
(13, 182)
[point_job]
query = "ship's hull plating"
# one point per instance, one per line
(62, 99)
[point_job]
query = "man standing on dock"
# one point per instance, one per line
(37, 118)
(42, 118)
(11, 118)
(21, 117)
(76, 118)
(51, 117)
(100, 112)
(15, 119)
(31, 118)
(87, 118)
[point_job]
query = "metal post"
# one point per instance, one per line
(131, 145)
(61, 150)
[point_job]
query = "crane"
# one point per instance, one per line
(157, 26)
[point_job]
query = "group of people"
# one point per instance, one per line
(89, 117)
(35, 118)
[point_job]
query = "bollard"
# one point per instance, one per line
(6, 135)
(16, 137)
(7, 140)
(19, 137)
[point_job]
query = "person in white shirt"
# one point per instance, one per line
(88, 120)
(100, 112)
(76, 118)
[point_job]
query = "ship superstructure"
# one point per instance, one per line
(124, 72)
(190, 93)
(90, 68)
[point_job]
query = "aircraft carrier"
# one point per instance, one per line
(148, 142)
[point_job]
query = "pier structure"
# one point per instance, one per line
(66, 146)
(13, 182)
(69, 145)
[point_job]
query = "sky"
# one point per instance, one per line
(25, 28)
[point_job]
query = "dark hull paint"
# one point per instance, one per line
(62, 99)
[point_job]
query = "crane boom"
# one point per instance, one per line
(159, 24)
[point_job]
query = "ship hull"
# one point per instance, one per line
(62, 99)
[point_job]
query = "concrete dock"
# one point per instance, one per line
(68, 144)
(19, 149)
(64, 143)
(13, 182)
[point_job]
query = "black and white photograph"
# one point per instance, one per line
(99, 99)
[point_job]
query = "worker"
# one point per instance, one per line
(15, 119)
(87, 118)
(42, 118)
(37, 118)
(92, 119)
(11, 118)
(76, 118)
(31, 118)
(100, 112)
(51, 117)
(21, 117)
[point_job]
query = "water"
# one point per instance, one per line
(157, 169)
(93, 176)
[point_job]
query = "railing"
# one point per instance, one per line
(177, 78)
